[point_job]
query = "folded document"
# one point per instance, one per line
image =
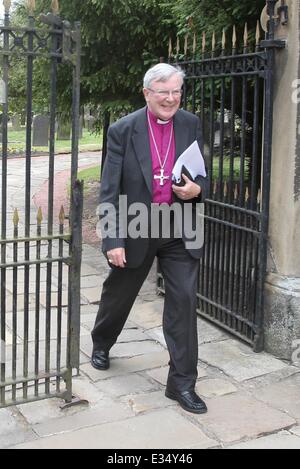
(190, 160)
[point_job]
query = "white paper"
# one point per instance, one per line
(193, 160)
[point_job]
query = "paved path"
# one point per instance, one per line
(253, 399)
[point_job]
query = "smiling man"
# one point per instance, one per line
(141, 152)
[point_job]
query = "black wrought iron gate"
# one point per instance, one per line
(232, 92)
(39, 317)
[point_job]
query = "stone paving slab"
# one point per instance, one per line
(142, 431)
(284, 395)
(238, 360)
(121, 385)
(156, 333)
(13, 429)
(87, 270)
(146, 402)
(272, 378)
(131, 349)
(215, 387)
(295, 430)
(8, 421)
(17, 437)
(91, 295)
(91, 281)
(239, 416)
(119, 350)
(110, 412)
(147, 315)
(209, 333)
(281, 440)
(123, 366)
(161, 374)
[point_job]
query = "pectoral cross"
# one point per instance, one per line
(161, 177)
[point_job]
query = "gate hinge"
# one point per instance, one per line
(273, 43)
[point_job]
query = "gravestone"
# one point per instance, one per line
(91, 123)
(63, 130)
(15, 122)
(40, 131)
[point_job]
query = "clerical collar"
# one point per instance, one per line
(157, 120)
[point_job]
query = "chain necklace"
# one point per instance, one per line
(161, 177)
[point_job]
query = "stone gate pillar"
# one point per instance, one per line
(282, 294)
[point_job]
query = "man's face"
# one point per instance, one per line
(163, 97)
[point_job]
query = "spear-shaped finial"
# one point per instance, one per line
(16, 217)
(225, 189)
(61, 216)
(177, 46)
(7, 5)
(257, 35)
(170, 47)
(234, 37)
(215, 187)
(213, 42)
(194, 44)
(223, 39)
(55, 7)
(246, 35)
(31, 6)
(185, 44)
(247, 194)
(39, 217)
(203, 42)
(258, 197)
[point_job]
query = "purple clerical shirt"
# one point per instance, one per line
(161, 132)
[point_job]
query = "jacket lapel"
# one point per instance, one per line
(141, 144)
(181, 134)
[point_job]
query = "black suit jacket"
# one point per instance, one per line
(128, 171)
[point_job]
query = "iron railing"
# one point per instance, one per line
(232, 92)
(39, 329)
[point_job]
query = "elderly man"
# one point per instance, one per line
(142, 150)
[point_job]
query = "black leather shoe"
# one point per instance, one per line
(100, 360)
(188, 400)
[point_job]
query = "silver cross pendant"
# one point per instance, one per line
(161, 177)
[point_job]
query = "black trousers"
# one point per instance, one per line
(120, 289)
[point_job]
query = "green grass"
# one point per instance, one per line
(226, 168)
(88, 142)
(87, 175)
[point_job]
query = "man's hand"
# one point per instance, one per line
(116, 257)
(189, 191)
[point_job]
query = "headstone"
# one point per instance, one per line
(91, 123)
(63, 130)
(40, 136)
(15, 122)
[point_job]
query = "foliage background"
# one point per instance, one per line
(120, 40)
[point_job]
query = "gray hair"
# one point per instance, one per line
(161, 72)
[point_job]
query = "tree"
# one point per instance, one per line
(122, 38)
(214, 15)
